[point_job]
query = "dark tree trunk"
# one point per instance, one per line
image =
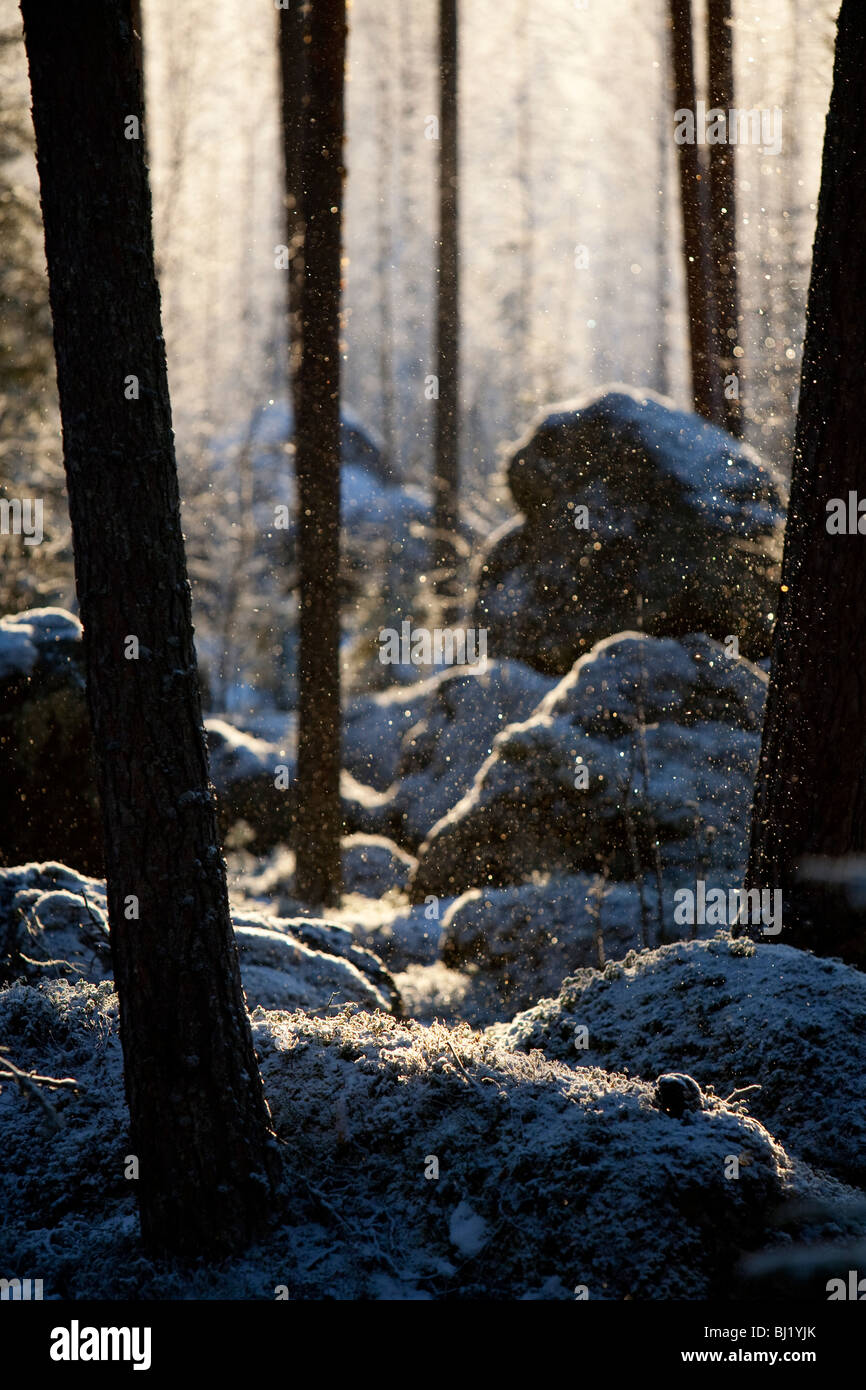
(706, 388)
(723, 213)
(317, 462)
(294, 98)
(446, 465)
(811, 790)
(199, 1123)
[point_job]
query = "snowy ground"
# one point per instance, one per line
(419, 1162)
(427, 1159)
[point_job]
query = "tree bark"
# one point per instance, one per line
(198, 1119)
(723, 213)
(293, 31)
(385, 248)
(706, 389)
(317, 463)
(446, 469)
(810, 797)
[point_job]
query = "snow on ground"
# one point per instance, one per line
(419, 1162)
(54, 922)
(733, 1014)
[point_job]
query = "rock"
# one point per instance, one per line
(372, 866)
(677, 1094)
(245, 771)
(255, 811)
(311, 965)
(526, 939)
(427, 743)
(683, 534)
(648, 742)
(54, 924)
(731, 1014)
(272, 431)
(49, 804)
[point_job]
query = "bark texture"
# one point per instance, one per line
(706, 390)
(317, 463)
(292, 33)
(198, 1119)
(446, 463)
(810, 797)
(723, 214)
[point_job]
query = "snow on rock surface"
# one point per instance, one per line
(255, 782)
(549, 1177)
(646, 740)
(426, 743)
(49, 803)
(730, 1013)
(272, 430)
(683, 531)
(526, 939)
(54, 923)
(41, 637)
(373, 867)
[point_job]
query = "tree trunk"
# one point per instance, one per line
(294, 98)
(523, 365)
(446, 479)
(723, 214)
(706, 389)
(810, 797)
(317, 462)
(385, 248)
(198, 1119)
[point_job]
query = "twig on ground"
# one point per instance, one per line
(30, 1082)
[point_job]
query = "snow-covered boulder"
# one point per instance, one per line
(733, 1014)
(373, 866)
(255, 783)
(527, 938)
(54, 923)
(682, 532)
(426, 743)
(485, 1173)
(271, 431)
(49, 803)
(256, 786)
(641, 760)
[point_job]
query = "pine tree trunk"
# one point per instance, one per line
(446, 469)
(385, 250)
(198, 1119)
(292, 32)
(706, 389)
(723, 213)
(810, 796)
(317, 462)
